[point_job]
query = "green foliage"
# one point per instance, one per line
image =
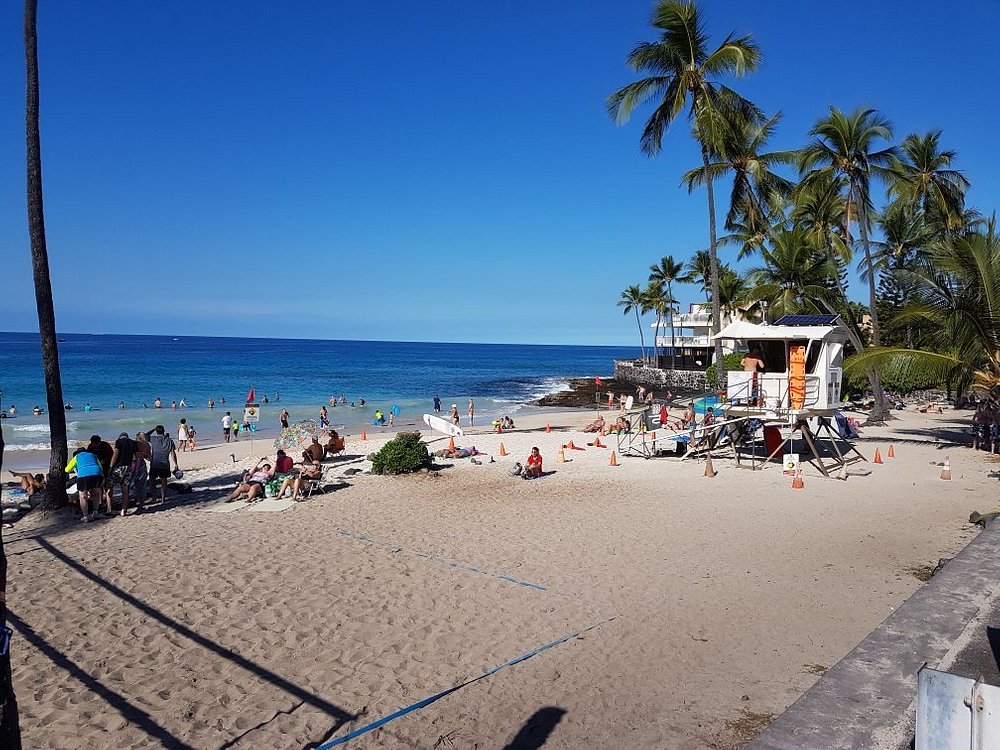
(914, 376)
(731, 361)
(404, 454)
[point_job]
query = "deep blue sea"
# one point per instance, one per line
(300, 375)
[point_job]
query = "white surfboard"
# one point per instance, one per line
(628, 402)
(441, 425)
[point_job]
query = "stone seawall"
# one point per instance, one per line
(626, 371)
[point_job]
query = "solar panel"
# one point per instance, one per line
(806, 320)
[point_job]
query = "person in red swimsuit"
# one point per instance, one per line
(534, 468)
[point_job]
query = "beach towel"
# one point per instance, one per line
(844, 428)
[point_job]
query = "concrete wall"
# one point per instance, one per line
(626, 371)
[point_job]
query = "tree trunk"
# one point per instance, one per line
(642, 339)
(10, 729)
(55, 493)
(673, 348)
(713, 254)
(880, 411)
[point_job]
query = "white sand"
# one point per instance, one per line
(725, 593)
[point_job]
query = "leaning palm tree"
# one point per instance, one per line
(633, 300)
(666, 272)
(758, 191)
(656, 301)
(55, 493)
(957, 298)
(683, 74)
(847, 146)
(699, 271)
(922, 178)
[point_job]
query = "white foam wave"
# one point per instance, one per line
(31, 428)
(28, 447)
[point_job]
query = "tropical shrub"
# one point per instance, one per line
(404, 454)
(731, 361)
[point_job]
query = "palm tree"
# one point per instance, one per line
(666, 272)
(922, 179)
(957, 298)
(683, 73)
(844, 147)
(734, 294)
(796, 278)
(699, 271)
(656, 301)
(758, 192)
(633, 300)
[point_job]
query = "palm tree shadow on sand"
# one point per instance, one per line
(536, 730)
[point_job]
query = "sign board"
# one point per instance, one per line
(251, 413)
(790, 463)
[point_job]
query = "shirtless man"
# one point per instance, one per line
(754, 362)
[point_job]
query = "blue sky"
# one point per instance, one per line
(418, 171)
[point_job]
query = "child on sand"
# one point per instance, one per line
(533, 469)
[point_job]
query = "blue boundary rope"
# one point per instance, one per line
(444, 693)
(442, 561)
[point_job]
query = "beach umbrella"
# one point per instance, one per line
(295, 434)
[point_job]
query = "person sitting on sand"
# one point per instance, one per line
(596, 426)
(314, 452)
(622, 425)
(30, 483)
(254, 484)
(334, 445)
(507, 423)
(533, 468)
(283, 463)
(310, 470)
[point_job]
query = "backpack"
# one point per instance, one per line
(515, 470)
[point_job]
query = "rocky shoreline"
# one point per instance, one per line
(583, 393)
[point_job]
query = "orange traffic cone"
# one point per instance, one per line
(614, 459)
(571, 446)
(878, 457)
(891, 453)
(946, 469)
(597, 442)
(797, 483)
(451, 443)
(709, 470)
(560, 457)
(503, 451)
(547, 427)
(364, 435)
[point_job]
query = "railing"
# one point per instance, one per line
(772, 390)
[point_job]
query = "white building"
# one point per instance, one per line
(692, 339)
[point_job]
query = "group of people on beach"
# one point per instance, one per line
(280, 477)
(102, 467)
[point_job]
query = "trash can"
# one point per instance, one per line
(772, 440)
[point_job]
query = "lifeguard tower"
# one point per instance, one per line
(801, 378)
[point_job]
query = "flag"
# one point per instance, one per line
(250, 395)
(598, 381)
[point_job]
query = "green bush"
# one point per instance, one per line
(900, 380)
(731, 361)
(404, 454)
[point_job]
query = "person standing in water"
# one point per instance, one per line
(437, 404)
(471, 411)
(283, 418)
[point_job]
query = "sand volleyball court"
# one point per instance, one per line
(707, 604)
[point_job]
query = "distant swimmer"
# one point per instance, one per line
(343, 398)
(277, 395)
(121, 405)
(437, 404)
(157, 404)
(222, 399)
(264, 399)
(332, 401)
(361, 401)
(37, 411)
(183, 404)
(173, 405)
(68, 406)
(211, 404)
(12, 410)
(87, 407)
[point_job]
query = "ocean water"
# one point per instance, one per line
(300, 375)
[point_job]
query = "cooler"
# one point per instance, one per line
(772, 440)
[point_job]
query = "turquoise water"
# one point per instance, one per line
(300, 375)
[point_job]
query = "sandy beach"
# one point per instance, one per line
(703, 606)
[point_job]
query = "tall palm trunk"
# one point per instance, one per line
(673, 348)
(642, 339)
(880, 411)
(713, 254)
(10, 729)
(55, 493)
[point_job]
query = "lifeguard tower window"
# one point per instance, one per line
(775, 355)
(812, 354)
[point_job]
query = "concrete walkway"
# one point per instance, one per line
(867, 699)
